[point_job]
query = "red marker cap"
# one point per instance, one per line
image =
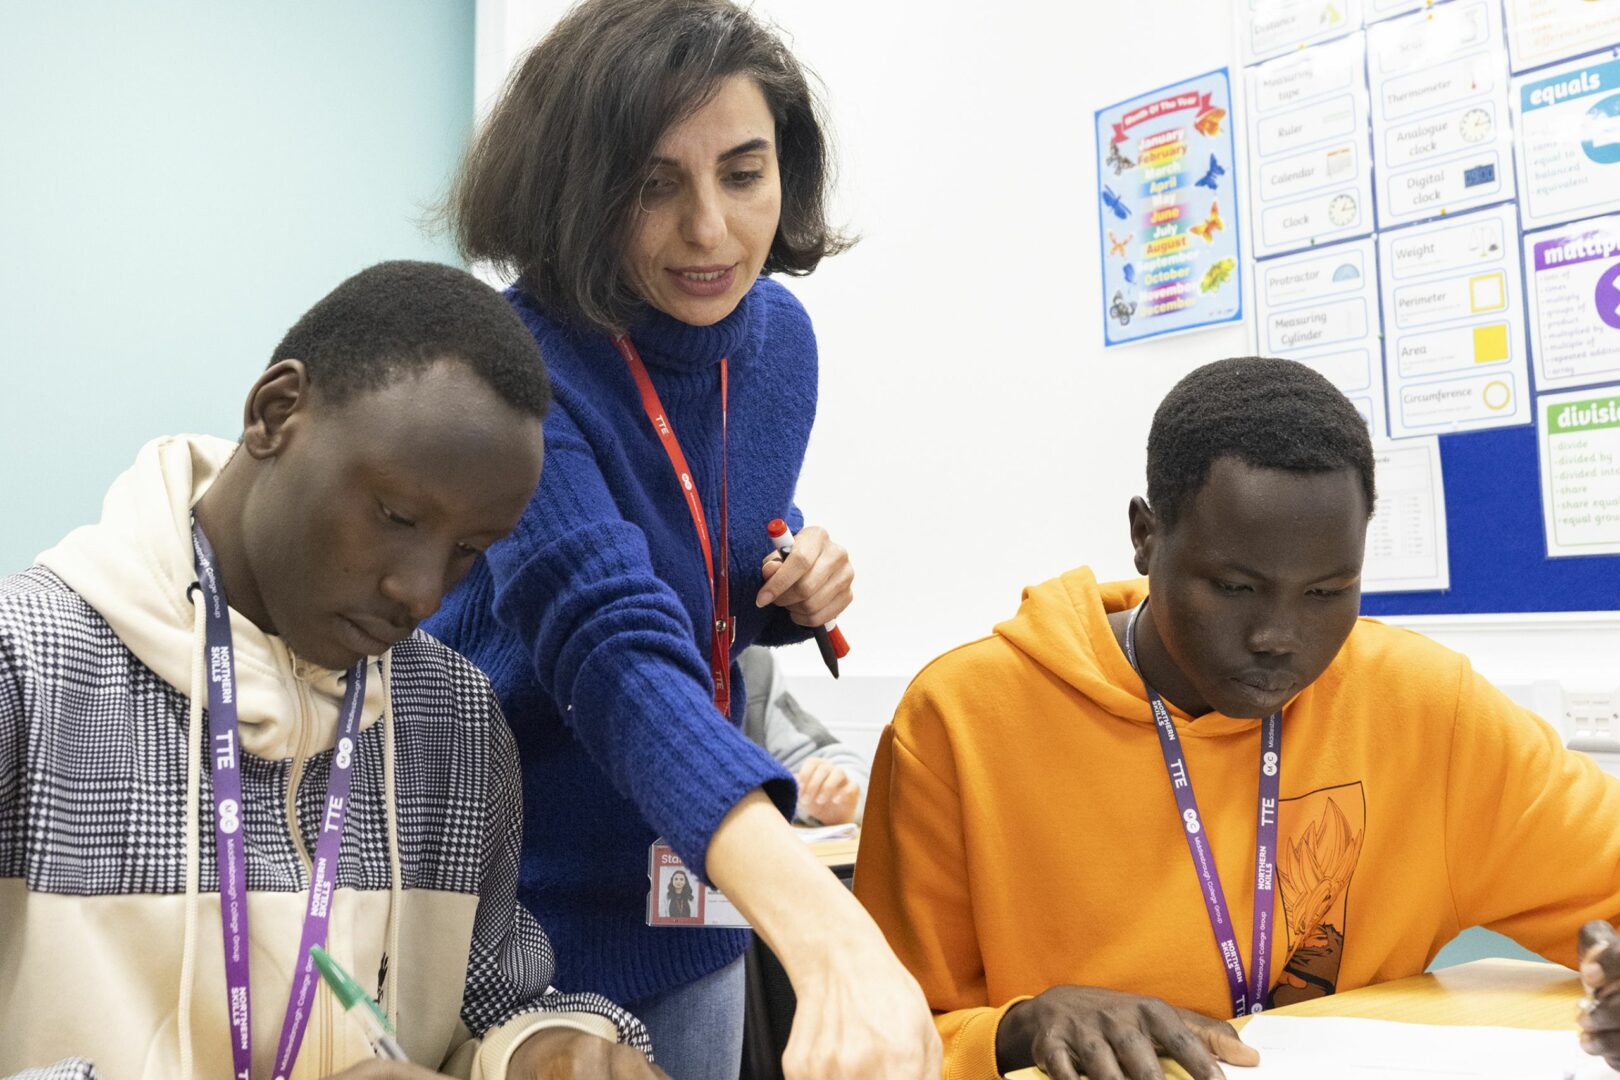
(840, 646)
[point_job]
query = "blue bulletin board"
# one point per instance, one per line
(1434, 192)
(1166, 196)
(1499, 557)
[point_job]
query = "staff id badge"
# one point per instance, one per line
(678, 898)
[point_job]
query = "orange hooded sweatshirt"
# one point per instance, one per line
(1021, 831)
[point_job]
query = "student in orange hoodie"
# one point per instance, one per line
(1115, 851)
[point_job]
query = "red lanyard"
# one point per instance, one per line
(721, 631)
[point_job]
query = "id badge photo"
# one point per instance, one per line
(676, 897)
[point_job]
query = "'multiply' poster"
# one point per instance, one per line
(1166, 194)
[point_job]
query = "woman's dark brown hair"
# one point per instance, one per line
(550, 188)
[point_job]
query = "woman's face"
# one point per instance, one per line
(677, 881)
(709, 208)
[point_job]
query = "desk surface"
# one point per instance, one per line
(1502, 993)
(837, 854)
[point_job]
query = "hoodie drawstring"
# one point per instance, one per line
(396, 886)
(188, 947)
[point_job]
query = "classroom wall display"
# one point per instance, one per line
(1454, 341)
(1275, 27)
(1383, 9)
(1542, 31)
(1572, 276)
(1310, 170)
(1406, 539)
(1440, 110)
(1167, 202)
(1467, 298)
(1568, 122)
(1580, 471)
(1320, 307)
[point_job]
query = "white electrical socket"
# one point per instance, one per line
(1544, 697)
(1592, 719)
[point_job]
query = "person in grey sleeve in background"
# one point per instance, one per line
(832, 776)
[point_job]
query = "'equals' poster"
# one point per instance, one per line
(1166, 193)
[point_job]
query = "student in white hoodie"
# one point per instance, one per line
(395, 436)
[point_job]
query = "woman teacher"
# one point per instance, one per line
(649, 161)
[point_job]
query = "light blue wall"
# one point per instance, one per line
(179, 181)
(1479, 943)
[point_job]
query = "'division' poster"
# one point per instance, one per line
(1166, 195)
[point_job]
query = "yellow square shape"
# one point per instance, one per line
(1490, 343)
(1487, 292)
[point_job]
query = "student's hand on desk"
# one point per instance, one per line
(562, 1053)
(827, 792)
(1108, 1035)
(815, 583)
(1599, 1016)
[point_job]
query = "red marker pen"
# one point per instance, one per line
(829, 639)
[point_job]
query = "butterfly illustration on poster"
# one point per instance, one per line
(1167, 206)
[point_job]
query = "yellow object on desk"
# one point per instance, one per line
(1501, 993)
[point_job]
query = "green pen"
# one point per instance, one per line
(349, 994)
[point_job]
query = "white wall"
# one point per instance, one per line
(974, 436)
(970, 423)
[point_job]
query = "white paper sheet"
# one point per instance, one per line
(1541, 31)
(1440, 111)
(1568, 123)
(1454, 338)
(1406, 539)
(1579, 435)
(813, 834)
(1573, 282)
(1336, 1048)
(1309, 169)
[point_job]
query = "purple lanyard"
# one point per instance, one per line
(1248, 996)
(228, 845)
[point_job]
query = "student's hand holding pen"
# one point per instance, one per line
(558, 1053)
(1599, 1016)
(815, 583)
(1108, 1035)
(561, 1053)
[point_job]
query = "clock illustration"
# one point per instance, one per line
(1476, 125)
(1342, 210)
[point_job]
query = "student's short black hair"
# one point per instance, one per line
(1267, 413)
(397, 318)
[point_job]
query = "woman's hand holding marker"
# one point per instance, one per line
(815, 582)
(819, 594)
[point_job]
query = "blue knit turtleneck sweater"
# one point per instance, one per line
(591, 620)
